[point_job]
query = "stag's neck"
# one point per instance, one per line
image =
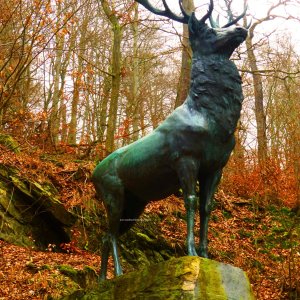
(216, 91)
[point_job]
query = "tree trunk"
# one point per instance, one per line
(131, 124)
(64, 69)
(102, 108)
(54, 115)
(135, 76)
(259, 102)
(77, 83)
(186, 57)
(297, 174)
(116, 71)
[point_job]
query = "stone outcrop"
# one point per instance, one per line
(8, 141)
(30, 212)
(181, 278)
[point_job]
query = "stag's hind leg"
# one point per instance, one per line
(112, 194)
(208, 184)
(104, 257)
(114, 209)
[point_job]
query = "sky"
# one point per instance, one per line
(257, 9)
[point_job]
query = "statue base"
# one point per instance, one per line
(188, 277)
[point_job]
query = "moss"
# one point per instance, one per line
(46, 267)
(30, 212)
(283, 232)
(13, 227)
(9, 204)
(145, 237)
(61, 286)
(7, 141)
(20, 240)
(21, 185)
(45, 198)
(210, 281)
(183, 278)
(3, 171)
(84, 278)
(144, 244)
(67, 270)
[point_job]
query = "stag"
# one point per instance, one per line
(192, 145)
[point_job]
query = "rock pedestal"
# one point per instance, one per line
(181, 278)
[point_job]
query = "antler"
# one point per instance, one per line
(232, 21)
(167, 11)
(209, 12)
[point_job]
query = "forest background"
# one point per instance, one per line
(99, 75)
(83, 78)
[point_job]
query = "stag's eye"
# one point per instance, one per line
(211, 32)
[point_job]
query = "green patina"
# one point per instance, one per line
(193, 144)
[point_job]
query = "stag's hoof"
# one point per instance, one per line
(203, 253)
(118, 271)
(101, 278)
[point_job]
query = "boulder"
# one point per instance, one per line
(178, 278)
(30, 212)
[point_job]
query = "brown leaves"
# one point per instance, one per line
(29, 274)
(242, 237)
(240, 233)
(71, 179)
(271, 184)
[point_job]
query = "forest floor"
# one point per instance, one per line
(263, 241)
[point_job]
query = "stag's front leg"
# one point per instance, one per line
(114, 201)
(187, 171)
(190, 202)
(208, 184)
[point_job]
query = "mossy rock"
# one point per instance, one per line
(84, 278)
(9, 142)
(144, 244)
(185, 278)
(30, 211)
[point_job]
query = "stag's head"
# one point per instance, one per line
(205, 39)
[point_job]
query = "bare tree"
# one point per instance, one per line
(186, 56)
(115, 70)
(259, 106)
(78, 77)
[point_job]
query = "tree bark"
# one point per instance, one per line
(116, 71)
(186, 57)
(78, 83)
(135, 76)
(259, 102)
(54, 115)
(64, 69)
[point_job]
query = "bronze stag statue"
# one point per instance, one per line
(192, 145)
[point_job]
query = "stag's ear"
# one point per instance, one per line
(194, 24)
